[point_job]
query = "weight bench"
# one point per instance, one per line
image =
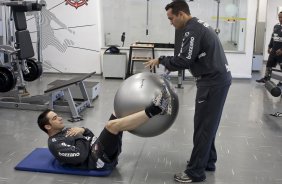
(52, 99)
(273, 89)
(63, 90)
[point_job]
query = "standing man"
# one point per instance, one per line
(202, 53)
(274, 51)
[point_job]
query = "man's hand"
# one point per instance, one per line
(150, 64)
(74, 131)
(279, 52)
(269, 50)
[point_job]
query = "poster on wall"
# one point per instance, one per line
(70, 40)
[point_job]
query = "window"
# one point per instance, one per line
(146, 21)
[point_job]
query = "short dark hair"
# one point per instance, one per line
(43, 120)
(177, 6)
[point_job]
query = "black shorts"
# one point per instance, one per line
(111, 143)
(273, 61)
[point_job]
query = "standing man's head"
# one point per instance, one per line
(178, 13)
(280, 17)
(50, 122)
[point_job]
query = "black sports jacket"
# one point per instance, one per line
(75, 151)
(202, 53)
(276, 39)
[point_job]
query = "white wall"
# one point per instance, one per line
(271, 20)
(71, 38)
(74, 60)
(262, 10)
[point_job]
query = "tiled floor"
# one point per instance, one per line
(249, 140)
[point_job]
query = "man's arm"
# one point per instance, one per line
(73, 153)
(189, 51)
(79, 130)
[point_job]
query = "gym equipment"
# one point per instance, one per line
(41, 160)
(271, 87)
(18, 52)
(7, 79)
(58, 98)
(20, 65)
(276, 74)
(131, 59)
(217, 30)
(34, 68)
(92, 89)
(136, 93)
(277, 114)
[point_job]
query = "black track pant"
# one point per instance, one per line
(112, 143)
(208, 109)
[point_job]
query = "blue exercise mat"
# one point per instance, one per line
(41, 160)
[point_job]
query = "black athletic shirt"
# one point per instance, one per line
(276, 39)
(75, 151)
(202, 53)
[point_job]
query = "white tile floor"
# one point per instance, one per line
(249, 140)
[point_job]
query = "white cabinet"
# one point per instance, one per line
(114, 65)
(257, 63)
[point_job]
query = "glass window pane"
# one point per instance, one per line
(146, 21)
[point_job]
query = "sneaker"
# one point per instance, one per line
(163, 101)
(184, 178)
(279, 84)
(277, 114)
(262, 80)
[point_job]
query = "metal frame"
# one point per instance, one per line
(52, 101)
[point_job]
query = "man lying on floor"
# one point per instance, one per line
(78, 147)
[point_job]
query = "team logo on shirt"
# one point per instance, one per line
(100, 163)
(69, 154)
(227, 67)
(202, 55)
(191, 47)
(66, 145)
(204, 23)
(276, 38)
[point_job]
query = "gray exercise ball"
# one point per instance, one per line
(136, 93)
